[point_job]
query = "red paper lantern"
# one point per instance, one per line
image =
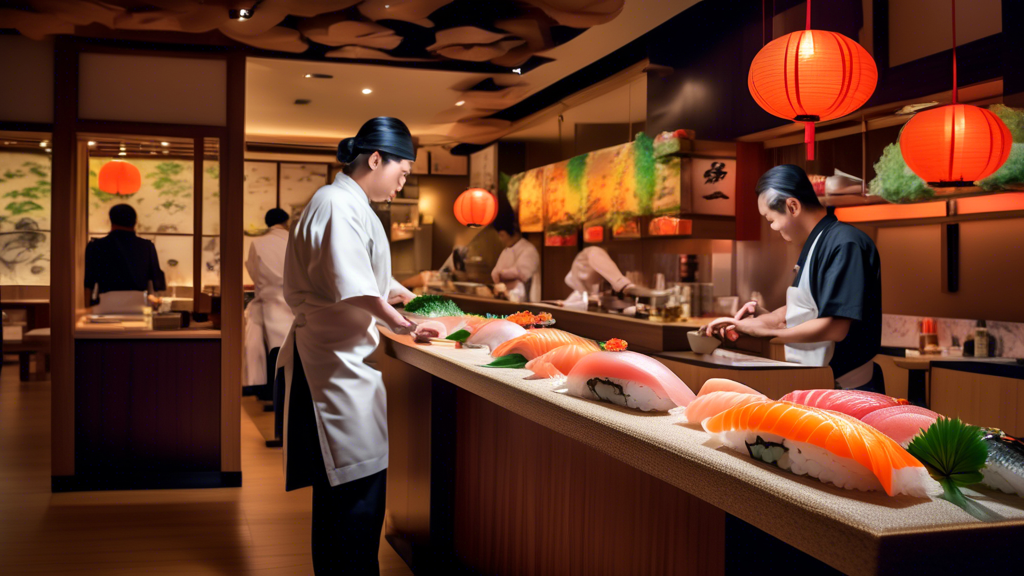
(119, 177)
(476, 207)
(955, 145)
(811, 76)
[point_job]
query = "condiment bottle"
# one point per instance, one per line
(981, 340)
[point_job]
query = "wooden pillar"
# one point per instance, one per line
(750, 165)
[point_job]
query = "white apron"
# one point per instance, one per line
(269, 316)
(800, 308)
(338, 250)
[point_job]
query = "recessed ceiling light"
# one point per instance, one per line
(122, 153)
(309, 75)
(165, 143)
(367, 91)
(44, 144)
(387, 6)
(460, 102)
(123, 148)
(92, 143)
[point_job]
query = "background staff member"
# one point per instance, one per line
(590, 269)
(518, 265)
(337, 281)
(269, 315)
(121, 261)
(833, 311)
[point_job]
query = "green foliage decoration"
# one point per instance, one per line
(895, 181)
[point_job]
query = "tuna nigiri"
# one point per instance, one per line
(710, 404)
(540, 341)
(494, 334)
(558, 362)
(725, 385)
(628, 379)
(826, 445)
(856, 403)
(901, 423)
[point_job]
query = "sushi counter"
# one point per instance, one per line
(643, 335)
(503, 474)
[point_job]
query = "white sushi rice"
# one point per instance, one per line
(1002, 479)
(811, 460)
(633, 395)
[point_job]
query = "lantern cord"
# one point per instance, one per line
(808, 14)
(809, 139)
(954, 51)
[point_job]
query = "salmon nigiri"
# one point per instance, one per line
(558, 362)
(628, 379)
(707, 405)
(826, 445)
(540, 341)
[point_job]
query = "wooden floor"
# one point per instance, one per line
(257, 529)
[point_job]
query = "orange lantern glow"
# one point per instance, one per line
(120, 177)
(811, 76)
(476, 207)
(957, 144)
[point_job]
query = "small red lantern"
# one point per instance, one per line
(476, 207)
(120, 177)
(811, 76)
(955, 145)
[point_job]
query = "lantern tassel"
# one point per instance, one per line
(809, 139)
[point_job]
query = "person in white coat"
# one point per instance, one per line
(338, 282)
(518, 265)
(269, 316)
(592, 268)
(833, 311)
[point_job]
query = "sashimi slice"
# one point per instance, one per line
(495, 333)
(856, 403)
(827, 445)
(630, 367)
(724, 385)
(901, 423)
(452, 324)
(558, 362)
(540, 341)
(439, 327)
(710, 404)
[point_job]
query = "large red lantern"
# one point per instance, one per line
(812, 76)
(476, 207)
(955, 145)
(120, 177)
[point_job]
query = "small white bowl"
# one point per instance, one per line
(702, 344)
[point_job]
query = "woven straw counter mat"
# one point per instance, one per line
(856, 532)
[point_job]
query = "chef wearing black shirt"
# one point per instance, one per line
(121, 260)
(833, 311)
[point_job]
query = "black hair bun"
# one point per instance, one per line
(347, 150)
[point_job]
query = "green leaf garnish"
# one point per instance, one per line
(954, 453)
(509, 361)
(459, 336)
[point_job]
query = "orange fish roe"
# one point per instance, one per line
(524, 318)
(616, 345)
(542, 318)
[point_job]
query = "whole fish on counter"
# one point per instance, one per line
(1004, 468)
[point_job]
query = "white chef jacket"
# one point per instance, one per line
(269, 316)
(525, 259)
(339, 250)
(592, 267)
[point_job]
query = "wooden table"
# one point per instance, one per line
(503, 475)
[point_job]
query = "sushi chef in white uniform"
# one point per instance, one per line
(269, 316)
(833, 311)
(337, 280)
(518, 266)
(590, 269)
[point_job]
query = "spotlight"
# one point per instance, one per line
(44, 144)
(367, 91)
(460, 102)
(122, 153)
(92, 142)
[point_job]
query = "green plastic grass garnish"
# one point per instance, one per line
(954, 453)
(459, 336)
(433, 306)
(509, 361)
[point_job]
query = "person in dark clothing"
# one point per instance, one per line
(121, 260)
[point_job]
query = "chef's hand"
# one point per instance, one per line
(722, 328)
(408, 327)
(403, 299)
(423, 335)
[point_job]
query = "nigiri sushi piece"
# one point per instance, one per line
(439, 327)
(628, 379)
(540, 341)
(558, 362)
(452, 324)
(724, 385)
(495, 333)
(832, 447)
(856, 403)
(1004, 469)
(708, 405)
(901, 423)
